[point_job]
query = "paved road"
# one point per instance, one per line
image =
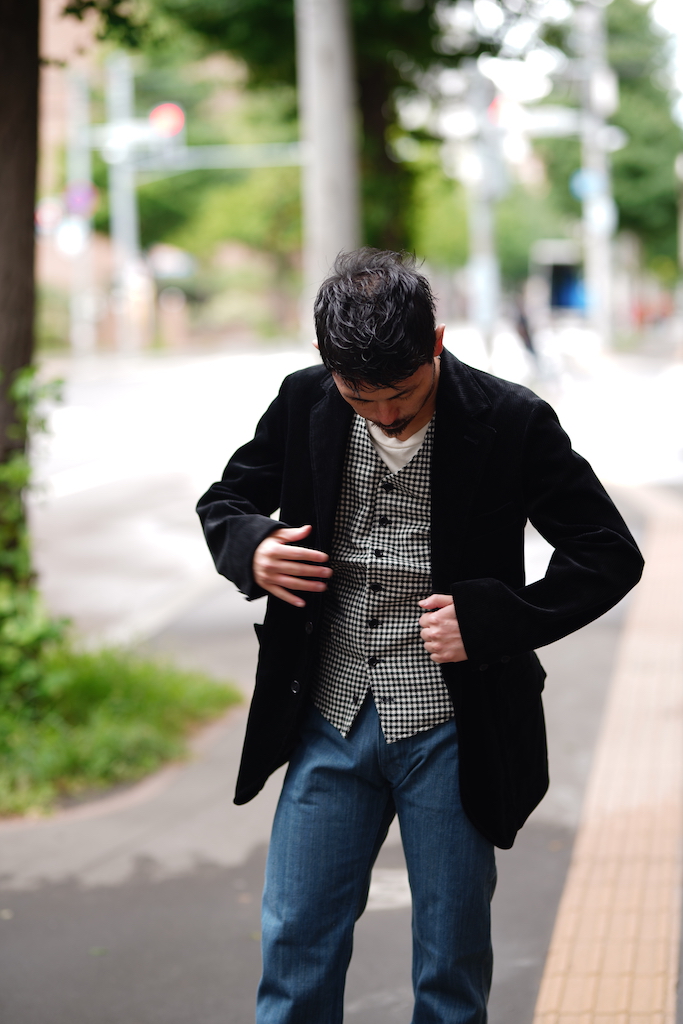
(144, 908)
(150, 912)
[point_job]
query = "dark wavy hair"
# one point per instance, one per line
(374, 318)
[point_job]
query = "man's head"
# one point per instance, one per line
(374, 318)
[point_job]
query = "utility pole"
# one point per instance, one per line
(80, 197)
(485, 185)
(131, 303)
(331, 219)
(599, 101)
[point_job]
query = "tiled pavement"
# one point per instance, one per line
(614, 955)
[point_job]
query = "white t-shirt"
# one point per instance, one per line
(394, 453)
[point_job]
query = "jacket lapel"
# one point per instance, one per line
(462, 443)
(330, 423)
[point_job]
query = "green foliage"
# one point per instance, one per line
(438, 225)
(644, 183)
(393, 42)
(52, 317)
(119, 22)
(70, 720)
(645, 186)
(439, 230)
(522, 218)
(262, 211)
(26, 395)
(26, 632)
(96, 720)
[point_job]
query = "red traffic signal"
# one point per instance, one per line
(167, 120)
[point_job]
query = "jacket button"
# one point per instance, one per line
(373, 661)
(483, 666)
(379, 553)
(308, 628)
(505, 658)
(387, 486)
(295, 686)
(384, 521)
(376, 587)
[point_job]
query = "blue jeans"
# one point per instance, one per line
(338, 800)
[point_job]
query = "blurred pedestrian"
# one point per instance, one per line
(397, 672)
(524, 328)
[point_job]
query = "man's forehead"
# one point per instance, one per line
(362, 389)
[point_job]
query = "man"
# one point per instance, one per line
(397, 671)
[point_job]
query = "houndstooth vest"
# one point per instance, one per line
(381, 568)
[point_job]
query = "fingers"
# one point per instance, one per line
(302, 554)
(294, 583)
(436, 601)
(298, 568)
(290, 533)
(279, 567)
(286, 595)
(440, 631)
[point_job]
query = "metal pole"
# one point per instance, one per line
(485, 187)
(331, 219)
(79, 187)
(599, 100)
(125, 231)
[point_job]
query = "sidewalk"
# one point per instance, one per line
(143, 907)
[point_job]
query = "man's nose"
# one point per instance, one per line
(387, 414)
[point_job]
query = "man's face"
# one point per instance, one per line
(400, 410)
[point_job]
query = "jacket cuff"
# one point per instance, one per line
(489, 621)
(252, 530)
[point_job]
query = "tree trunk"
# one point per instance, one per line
(19, 21)
(386, 184)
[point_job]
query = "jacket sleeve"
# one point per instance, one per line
(595, 562)
(235, 512)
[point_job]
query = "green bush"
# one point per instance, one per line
(92, 720)
(71, 721)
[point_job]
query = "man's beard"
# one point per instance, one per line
(397, 427)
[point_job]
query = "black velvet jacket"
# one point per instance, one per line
(500, 457)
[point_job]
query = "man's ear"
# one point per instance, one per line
(315, 344)
(438, 344)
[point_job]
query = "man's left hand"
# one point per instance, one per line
(440, 631)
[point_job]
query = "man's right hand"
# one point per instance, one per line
(278, 567)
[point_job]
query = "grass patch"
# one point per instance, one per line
(98, 720)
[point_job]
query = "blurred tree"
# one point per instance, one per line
(644, 182)
(438, 213)
(24, 628)
(394, 42)
(438, 220)
(18, 144)
(645, 185)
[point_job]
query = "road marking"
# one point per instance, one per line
(614, 953)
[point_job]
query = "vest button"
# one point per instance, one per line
(505, 658)
(295, 686)
(308, 628)
(483, 666)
